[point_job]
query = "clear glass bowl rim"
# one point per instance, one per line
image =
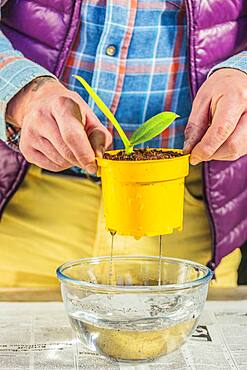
(208, 274)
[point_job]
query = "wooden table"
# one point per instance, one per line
(54, 295)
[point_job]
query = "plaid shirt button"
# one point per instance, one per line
(111, 50)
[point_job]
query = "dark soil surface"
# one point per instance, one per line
(142, 154)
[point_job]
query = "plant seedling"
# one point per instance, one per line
(147, 131)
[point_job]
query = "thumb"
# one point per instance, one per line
(197, 124)
(100, 140)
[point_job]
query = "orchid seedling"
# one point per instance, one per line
(147, 131)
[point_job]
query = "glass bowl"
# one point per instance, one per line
(117, 307)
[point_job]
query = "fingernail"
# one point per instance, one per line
(100, 151)
(91, 168)
(194, 161)
(187, 148)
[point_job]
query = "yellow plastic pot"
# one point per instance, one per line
(143, 197)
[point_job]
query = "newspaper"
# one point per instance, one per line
(37, 336)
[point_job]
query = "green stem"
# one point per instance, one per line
(129, 149)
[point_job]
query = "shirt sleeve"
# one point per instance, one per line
(16, 71)
(238, 61)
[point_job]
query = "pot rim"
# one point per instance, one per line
(100, 160)
(208, 274)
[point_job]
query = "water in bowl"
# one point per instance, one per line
(134, 327)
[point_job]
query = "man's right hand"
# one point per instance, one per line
(58, 129)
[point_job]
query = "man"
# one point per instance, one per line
(135, 55)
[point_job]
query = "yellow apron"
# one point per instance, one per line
(53, 219)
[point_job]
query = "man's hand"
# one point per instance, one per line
(217, 127)
(58, 129)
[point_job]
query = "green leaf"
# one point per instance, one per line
(106, 112)
(152, 127)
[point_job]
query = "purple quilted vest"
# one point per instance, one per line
(44, 31)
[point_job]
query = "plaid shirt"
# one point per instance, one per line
(133, 54)
(146, 75)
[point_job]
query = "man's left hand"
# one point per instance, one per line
(217, 126)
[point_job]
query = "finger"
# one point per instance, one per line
(227, 114)
(197, 123)
(235, 146)
(40, 160)
(100, 141)
(92, 122)
(44, 146)
(50, 131)
(70, 123)
(77, 140)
